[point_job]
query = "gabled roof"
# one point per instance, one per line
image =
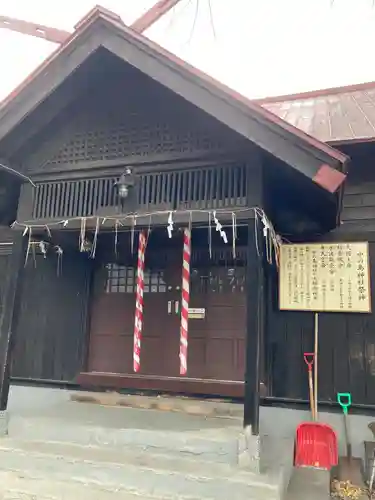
(101, 28)
(336, 115)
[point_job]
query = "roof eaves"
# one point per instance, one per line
(237, 97)
(233, 98)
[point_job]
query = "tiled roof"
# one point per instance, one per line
(333, 115)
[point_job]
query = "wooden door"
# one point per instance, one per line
(162, 299)
(217, 341)
(112, 320)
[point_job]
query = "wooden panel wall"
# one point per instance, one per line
(51, 328)
(359, 198)
(347, 350)
(359, 201)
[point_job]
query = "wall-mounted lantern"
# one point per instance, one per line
(125, 183)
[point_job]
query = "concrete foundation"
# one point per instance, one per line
(160, 448)
(4, 423)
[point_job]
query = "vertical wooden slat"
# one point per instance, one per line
(42, 200)
(51, 198)
(94, 198)
(79, 206)
(100, 193)
(169, 184)
(242, 187)
(230, 185)
(146, 191)
(63, 208)
(212, 183)
(76, 198)
(70, 198)
(58, 201)
(152, 189)
(243, 183)
(141, 190)
(215, 186)
(195, 188)
(188, 200)
(221, 173)
(163, 181)
(85, 195)
(106, 193)
(172, 199)
(38, 201)
(179, 182)
(201, 189)
(45, 201)
(206, 178)
(48, 200)
(157, 189)
(235, 184)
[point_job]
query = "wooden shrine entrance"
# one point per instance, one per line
(112, 321)
(217, 326)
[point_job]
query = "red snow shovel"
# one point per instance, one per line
(316, 443)
(316, 446)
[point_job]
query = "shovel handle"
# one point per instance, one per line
(309, 358)
(344, 399)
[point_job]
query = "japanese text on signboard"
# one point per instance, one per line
(330, 277)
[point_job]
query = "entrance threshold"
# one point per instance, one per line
(179, 385)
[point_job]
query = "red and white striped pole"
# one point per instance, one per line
(185, 301)
(139, 302)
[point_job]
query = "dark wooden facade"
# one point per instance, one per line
(347, 341)
(80, 323)
(194, 148)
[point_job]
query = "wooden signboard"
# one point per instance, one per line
(331, 277)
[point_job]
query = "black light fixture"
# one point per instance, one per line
(124, 184)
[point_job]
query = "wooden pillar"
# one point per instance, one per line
(255, 289)
(255, 302)
(10, 311)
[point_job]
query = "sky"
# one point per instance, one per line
(258, 47)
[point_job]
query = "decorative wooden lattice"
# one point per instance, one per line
(123, 126)
(209, 188)
(121, 142)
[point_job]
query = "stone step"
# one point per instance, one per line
(309, 484)
(147, 474)
(189, 405)
(19, 486)
(211, 444)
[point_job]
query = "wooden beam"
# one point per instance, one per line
(58, 36)
(38, 30)
(153, 14)
(157, 220)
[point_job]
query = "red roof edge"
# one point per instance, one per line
(315, 93)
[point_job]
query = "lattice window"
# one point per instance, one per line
(123, 279)
(140, 139)
(218, 280)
